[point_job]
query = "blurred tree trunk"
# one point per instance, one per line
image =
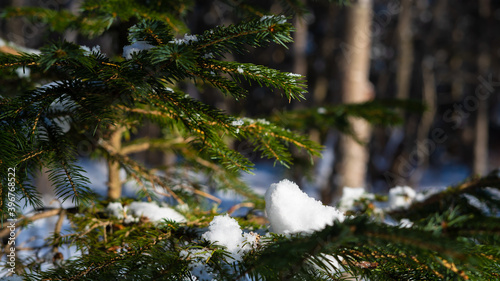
(300, 46)
(300, 67)
(429, 98)
(352, 166)
(405, 59)
(405, 51)
(480, 165)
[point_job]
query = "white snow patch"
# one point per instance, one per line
(225, 231)
(282, 21)
(150, 210)
(136, 47)
(405, 223)
(88, 51)
(351, 195)
(186, 40)
(424, 195)
(239, 69)
(23, 72)
(321, 110)
(263, 121)
(238, 122)
(190, 38)
(154, 212)
(401, 197)
(290, 210)
(117, 210)
(208, 56)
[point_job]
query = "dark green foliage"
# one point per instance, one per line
(376, 112)
(95, 92)
(97, 16)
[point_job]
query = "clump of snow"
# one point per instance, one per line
(422, 196)
(208, 56)
(321, 110)
(186, 40)
(88, 51)
(239, 69)
(405, 223)
(136, 47)
(238, 122)
(117, 210)
(23, 72)
(401, 197)
(135, 210)
(225, 231)
(154, 212)
(190, 38)
(351, 195)
(282, 21)
(263, 121)
(290, 210)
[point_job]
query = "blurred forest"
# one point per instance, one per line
(443, 53)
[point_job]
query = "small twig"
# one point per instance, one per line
(23, 220)
(57, 230)
(99, 224)
(240, 205)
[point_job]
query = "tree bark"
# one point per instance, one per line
(480, 165)
(114, 181)
(405, 51)
(352, 167)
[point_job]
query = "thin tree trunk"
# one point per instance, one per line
(403, 75)
(114, 181)
(405, 52)
(480, 165)
(299, 46)
(352, 167)
(481, 139)
(429, 97)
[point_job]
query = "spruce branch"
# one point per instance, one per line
(254, 33)
(292, 85)
(451, 196)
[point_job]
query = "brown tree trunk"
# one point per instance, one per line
(352, 167)
(405, 51)
(480, 165)
(114, 181)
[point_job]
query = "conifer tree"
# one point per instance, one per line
(87, 96)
